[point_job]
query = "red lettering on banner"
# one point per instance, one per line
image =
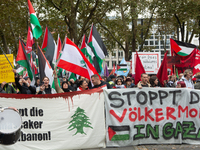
(158, 113)
(147, 114)
(139, 115)
(120, 119)
(193, 110)
(130, 116)
(170, 110)
(180, 108)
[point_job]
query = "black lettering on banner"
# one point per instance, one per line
(162, 95)
(192, 101)
(115, 99)
(139, 99)
(152, 96)
(128, 96)
(174, 95)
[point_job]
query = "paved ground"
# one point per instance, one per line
(156, 147)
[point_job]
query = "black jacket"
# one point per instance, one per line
(24, 89)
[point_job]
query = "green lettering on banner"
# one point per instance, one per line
(178, 130)
(138, 135)
(188, 126)
(153, 131)
(168, 130)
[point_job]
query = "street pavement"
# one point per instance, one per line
(155, 147)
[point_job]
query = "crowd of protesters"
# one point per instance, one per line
(23, 85)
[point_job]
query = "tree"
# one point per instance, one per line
(79, 121)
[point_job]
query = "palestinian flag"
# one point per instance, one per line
(98, 47)
(87, 51)
(22, 59)
(181, 48)
(36, 28)
(49, 46)
(44, 67)
(29, 41)
(20, 70)
(118, 133)
(73, 60)
(122, 67)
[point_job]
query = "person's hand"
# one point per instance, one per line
(42, 87)
(14, 71)
(2, 84)
(140, 87)
(55, 73)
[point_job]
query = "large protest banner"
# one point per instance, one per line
(152, 116)
(6, 72)
(73, 120)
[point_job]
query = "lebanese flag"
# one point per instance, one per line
(139, 69)
(73, 60)
(22, 59)
(49, 46)
(29, 41)
(44, 67)
(181, 48)
(35, 24)
(162, 74)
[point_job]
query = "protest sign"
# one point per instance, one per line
(152, 116)
(6, 71)
(150, 60)
(73, 120)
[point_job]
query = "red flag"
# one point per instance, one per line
(139, 69)
(29, 41)
(113, 71)
(162, 72)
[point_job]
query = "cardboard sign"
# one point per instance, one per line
(6, 71)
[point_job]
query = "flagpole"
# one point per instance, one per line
(6, 57)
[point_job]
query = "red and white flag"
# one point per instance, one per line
(73, 60)
(29, 41)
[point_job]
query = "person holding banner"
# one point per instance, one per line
(187, 78)
(98, 83)
(144, 81)
(82, 85)
(197, 84)
(8, 88)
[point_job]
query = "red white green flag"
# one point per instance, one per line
(73, 60)
(35, 24)
(29, 41)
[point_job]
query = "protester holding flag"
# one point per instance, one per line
(25, 87)
(45, 88)
(187, 78)
(65, 85)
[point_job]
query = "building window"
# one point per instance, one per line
(151, 37)
(162, 42)
(151, 43)
(146, 43)
(156, 42)
(114, 54)
(120, 54)
(108, 63)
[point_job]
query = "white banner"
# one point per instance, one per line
(152, 116)
(73, 120)
(150, 60)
